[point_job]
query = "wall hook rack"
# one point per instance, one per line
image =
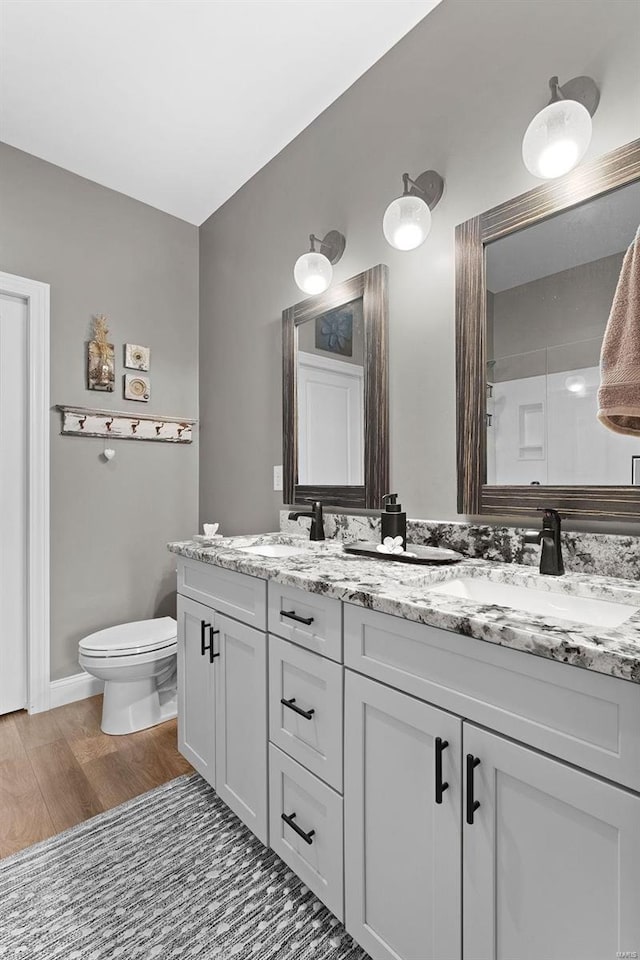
(119, 425)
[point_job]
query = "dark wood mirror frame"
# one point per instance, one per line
(372, 287)
(475, 497)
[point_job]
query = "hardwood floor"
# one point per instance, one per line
(58, 768)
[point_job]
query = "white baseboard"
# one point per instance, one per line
(69, 689)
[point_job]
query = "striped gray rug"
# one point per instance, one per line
(171, 874)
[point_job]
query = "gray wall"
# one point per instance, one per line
(566, 312)
(456, 94)
(103, 252)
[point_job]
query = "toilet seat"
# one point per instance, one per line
(145, 655)
(132, 639)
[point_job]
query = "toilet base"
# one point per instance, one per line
(131, 706)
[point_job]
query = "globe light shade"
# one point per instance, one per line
(557, 139)
(576, 384)
(313, 273)
(406, 222)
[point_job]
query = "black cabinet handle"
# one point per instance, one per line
(212, 634)
(204, 647)
(203, 627)
(294, 616)
(472, 805)
(440, 785)
(288, 819)
(307, 714)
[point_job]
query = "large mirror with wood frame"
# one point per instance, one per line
(536, 278)
(335, 394)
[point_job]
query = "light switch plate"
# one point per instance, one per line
(277, 477)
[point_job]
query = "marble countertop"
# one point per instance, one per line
(403, 590)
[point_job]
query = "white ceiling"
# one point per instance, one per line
(179, 102)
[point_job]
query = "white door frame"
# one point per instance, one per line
(36, 295)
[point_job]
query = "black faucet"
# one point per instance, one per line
(317, 524)
(551, 562)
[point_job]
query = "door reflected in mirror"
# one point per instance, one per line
(549, 293)
(330, 379)
(335, 399)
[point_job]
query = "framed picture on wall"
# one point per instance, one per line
(335, 329)
(635, 471)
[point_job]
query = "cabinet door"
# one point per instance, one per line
(402, 847)
(241, 722)
(551, 864)
(196, 688)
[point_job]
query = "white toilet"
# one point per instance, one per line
(137, 662)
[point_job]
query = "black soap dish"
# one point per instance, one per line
(423, 554)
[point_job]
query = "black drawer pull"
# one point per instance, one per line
(472, 804)
(307, 714)
(204, 647)
(440, 785)
(294, 616)
(288, 819)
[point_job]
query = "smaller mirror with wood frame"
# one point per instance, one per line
(535, 281)
(335, 394)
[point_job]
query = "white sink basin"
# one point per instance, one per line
(274, 550)
(587, 610)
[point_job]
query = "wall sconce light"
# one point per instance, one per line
(407, 220)
(557, 138)
(313, 271)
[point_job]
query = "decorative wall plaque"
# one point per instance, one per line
(100, 358)
(137, 387)
(136, 357)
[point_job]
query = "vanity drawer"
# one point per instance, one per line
(234, 594)
(315, 684)
(309, 619)
(586, 718)
(317, 860)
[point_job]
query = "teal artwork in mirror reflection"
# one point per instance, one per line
(549, 293)
(334, 330)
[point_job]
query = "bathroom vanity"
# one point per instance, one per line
(443, 791)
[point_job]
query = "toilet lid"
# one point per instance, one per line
(141, 636)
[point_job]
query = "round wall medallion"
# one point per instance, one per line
(138, 387)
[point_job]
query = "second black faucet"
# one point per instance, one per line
(551, 562)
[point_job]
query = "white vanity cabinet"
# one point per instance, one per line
(402, 824)
(448, 799)
(549, 854)
(222, 687)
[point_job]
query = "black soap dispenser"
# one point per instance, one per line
(393, 520)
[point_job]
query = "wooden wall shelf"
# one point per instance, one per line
(120, 425)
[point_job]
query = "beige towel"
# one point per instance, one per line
(619, 393)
